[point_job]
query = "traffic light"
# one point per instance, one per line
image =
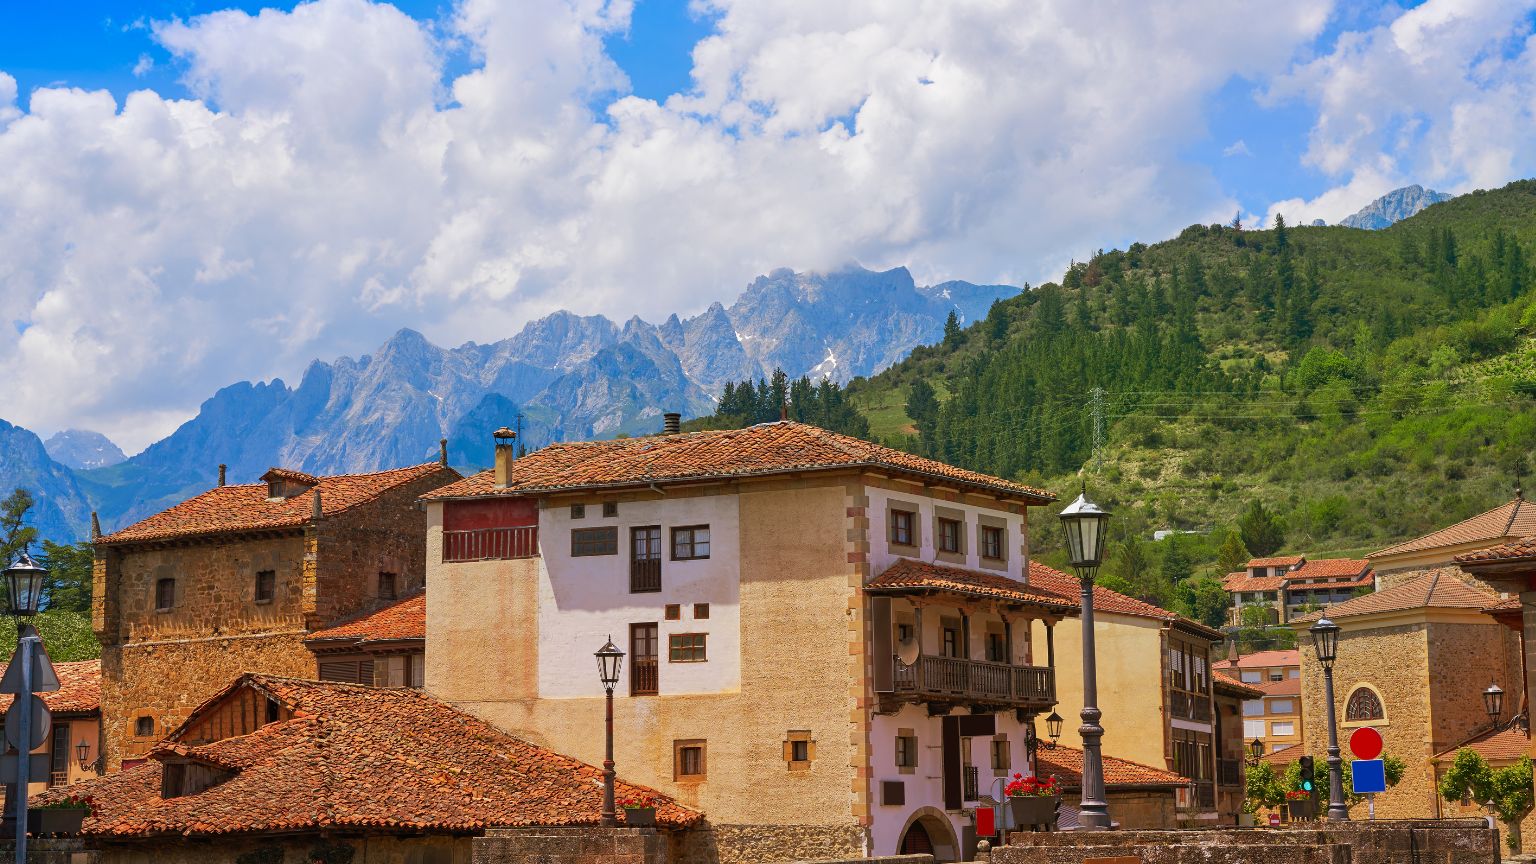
(1306, 773)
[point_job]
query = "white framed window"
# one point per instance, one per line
(1251, 677)
(1253, 708)
(1282, 706)
(1284, 727)
(1253, 729)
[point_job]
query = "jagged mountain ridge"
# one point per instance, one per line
(1394, 206)
(61, 510)
(570, 376)
(81, 448)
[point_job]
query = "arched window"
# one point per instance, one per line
(1363, 704)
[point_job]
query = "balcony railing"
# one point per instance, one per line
(1205, 795)
(644, 575)
(955, 679)
(643, 677)
(1229, 772)
(1189, 706)
(491, 544)
(972, 785)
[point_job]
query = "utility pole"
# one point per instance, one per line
(1096, 405)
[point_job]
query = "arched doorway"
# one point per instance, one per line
(916, 841)
(928, 832)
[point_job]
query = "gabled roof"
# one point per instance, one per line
(1285, 755)
(1066, 765)
(1331, 568)
(361, 759)
(1504, 744)
(1263, 659)
(79, 689)
(225, 509)
(1440, 588)
(1279, 561)
(764, 449)
(1225, 683)
(400, 621)
(1511, 519)
(1517, 550)
(907, 575)
(1105, 600)
(1241, 581)
(1286, 686)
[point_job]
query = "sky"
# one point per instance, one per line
(194, 193)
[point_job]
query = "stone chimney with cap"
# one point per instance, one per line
(671, 423)
(442, 452)
(222, 469)
(505, 439)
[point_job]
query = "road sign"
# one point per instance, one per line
(1365, 743)
(41, 720)
(42, 763)
(1274, 819)
(43, 678)
(1368, 775)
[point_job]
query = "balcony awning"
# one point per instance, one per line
(908, 577)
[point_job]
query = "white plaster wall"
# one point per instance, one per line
(583, 601)
(925, 785)
(881, 556)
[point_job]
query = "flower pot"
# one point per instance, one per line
(1034, 811)
(640, 817)
(1299, 810)
(55, 821)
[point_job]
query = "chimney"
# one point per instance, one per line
(442, 452)
(671, 422)
(504, 438)
(314, 514)
(95, 526)
(1232, 650)
(222, 469)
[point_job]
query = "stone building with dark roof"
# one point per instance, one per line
(234, 579)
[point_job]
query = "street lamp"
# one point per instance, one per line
(83, 755)
(1256, 748)
(1053, 729)
(1325, 640)
(609, 661)
(24, 588)
(1493, 701)
(24, 591)
(1083, 522)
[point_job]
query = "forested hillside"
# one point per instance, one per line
(1365, 386)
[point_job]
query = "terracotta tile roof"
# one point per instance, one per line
(767, 448)
(1440, 588)
(1281, 561)
(1502, 745)
(1285, 755)
(1331, 568)
(1233, 687)
(402, 620)
(1284, 687)
(1234, 582)
(1263, 659)
(1066, 765)
(909, 574)
(1361, 581)
(79, 689)
(358, 758)
(1104, 600)
(290, 475)
(1518, 550)
(246, 508)
(1508, 604)
(1508, 520)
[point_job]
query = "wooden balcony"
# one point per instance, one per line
(1189, 706)
(491, 544)
(644, 575)
(948, 681)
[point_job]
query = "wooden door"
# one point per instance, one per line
(643, 661)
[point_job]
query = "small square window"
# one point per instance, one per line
(904, 633)
(610, 508)
(690, 543)
(799, 749)
(266, 586)
(901, 527)
(686, 648)
(700, 611)
(144, 727)
(387, 587)
(688, 759)
(578, 511)
(1002, 757)
(674, 612)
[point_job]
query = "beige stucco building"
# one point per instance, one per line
(832, 648)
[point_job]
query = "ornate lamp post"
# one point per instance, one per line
(1325, 639)
(83, 755)
(609, 660)
(24, 592)
(1255, 751)
(1493, 701)
(1083, 522)
(1053, 729)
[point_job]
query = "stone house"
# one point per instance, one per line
(1274, 716)
(76, 711)
(1155, 690)
(828, 643)
(1413, 661)
(307, 770)
(1140, 797)
(1288, 586)
(383, 648)
(232, 580)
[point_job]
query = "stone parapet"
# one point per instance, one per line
(583, 845)
(41, 851)
(771, 844)
(1451, 841)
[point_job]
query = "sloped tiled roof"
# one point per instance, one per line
(767, 448)
(1504, 744)
(1104, 600)
(1233, 687)
(79, 689)
(1508, 604)
(909, 574)
(1263, 659)
(1280, 561)
(245, 507)
(1514, 518)
(1241, 581)
(1515, 551)
(1330, 568)
(1287, 686)
(405, 619)
(1439, 588)
(362, 759)
(1066, 765)
(1285, 755)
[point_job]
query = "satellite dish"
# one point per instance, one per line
(906, 651)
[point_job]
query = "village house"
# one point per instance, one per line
(383, 648)
(829, 643)
(1229, 696)
(234, 579)
(1155, 689)
(1273, 717)
(275, 769)
(1140, 797)
(1506, 523)
(1287, 586)
(73, 745)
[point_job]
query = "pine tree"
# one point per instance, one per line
(1281, 238)
(15, 534)
(952, 330)
(1233, 554)
(1260, 530)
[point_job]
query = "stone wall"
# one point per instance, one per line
(572, 846)
(762, 844)
(1442, 842)
(41, 851)
(303, 849)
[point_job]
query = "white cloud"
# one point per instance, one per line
(1237, 148)
(143, 66)
(327, 185)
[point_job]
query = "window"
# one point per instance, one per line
(165, 595)
(387, 589)
(951, 643)
(1282, 706)
(59, 758)
(674, 612)
(949, 536)
(1293, 673)
(997, 647)
(1176, 668)
(700, 611)
(1253, 729)
(402, 670)
(1253, 708)
(645, 559)
(594, 541)
(1363, 704)
(1277, 676)
(901, 527)
(690, 543)
(578, 511)
(904, 633)
(688, 759)
(144, 727)
(266, 586)
(643, 668)
(1002, 756)
(274, 711)
(799, 749)
(1251, 677)
(992, 542)
(906, 749)
(1282, 728)
(685, 648)
(610, 508)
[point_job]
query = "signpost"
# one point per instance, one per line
(1368, 774)
(29, 672)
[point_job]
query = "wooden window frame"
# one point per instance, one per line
(672, 612)
(949, 536)
(165, 585)
(799, 749)
(610, 509)
(1001, 746)
(265, 589)
(903, 521)
(906, 757)
(701, 611)
(578, 511)
(679, 746)
(687, 644)
(393, 581)
(582, 545)
(693, 543)
(635, 675)
(986, 535)
(139, 724)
